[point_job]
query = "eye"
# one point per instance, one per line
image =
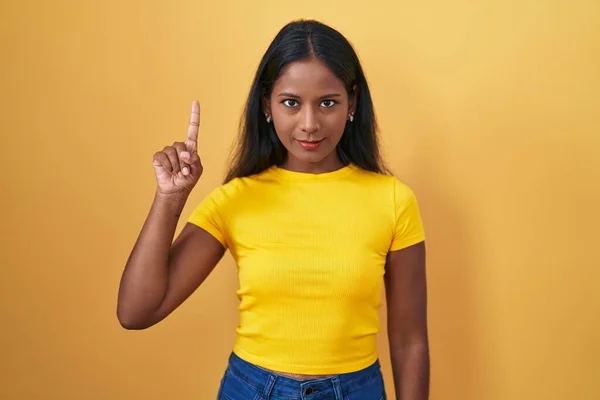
(328, 103)
(290, 103)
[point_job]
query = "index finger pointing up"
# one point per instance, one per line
(191, 143)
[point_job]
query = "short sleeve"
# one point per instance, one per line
(207, 215)
(408, 228)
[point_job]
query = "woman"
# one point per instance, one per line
(316, 225)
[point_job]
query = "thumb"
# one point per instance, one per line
(192, 159)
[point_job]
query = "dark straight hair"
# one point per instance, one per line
(258, 146)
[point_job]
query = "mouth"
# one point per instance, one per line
(309, 144)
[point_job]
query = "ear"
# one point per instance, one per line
(352, 100)
(266, 105)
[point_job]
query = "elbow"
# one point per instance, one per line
(132, 325)
(409, 342)
(132, 322)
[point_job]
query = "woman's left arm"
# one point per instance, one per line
(406, 295)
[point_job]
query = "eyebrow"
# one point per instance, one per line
(286, 94)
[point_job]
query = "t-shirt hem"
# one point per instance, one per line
(305, 369)
(212, 231)
(407, 242)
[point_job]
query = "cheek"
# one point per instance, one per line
(337, 124)
(284, 127)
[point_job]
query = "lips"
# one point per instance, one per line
(310, 144)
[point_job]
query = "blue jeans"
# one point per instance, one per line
(245, 381)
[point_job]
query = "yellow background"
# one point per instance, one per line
(489, 110)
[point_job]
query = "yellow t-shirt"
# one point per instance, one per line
(311, 252)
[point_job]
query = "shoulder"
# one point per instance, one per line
(389, 183)
(236, 188)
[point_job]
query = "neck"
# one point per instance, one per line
(329, 164)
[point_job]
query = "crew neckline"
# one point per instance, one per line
(310, 176)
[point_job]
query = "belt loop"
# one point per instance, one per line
(337, 388)
(269, 386)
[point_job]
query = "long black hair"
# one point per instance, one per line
(259, 148)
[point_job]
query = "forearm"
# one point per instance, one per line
(410, 365)
(145, 278)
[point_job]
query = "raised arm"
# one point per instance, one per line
(160, 273)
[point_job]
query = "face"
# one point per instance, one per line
(309, 107)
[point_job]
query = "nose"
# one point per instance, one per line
(308, 120)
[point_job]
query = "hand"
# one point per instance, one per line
(178, 167)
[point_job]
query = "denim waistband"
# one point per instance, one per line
(279, 385)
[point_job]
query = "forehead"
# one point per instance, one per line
(307, 77)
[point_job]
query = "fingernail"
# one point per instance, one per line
(185, 171)
(185, 154)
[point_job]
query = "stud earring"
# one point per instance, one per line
(268, 118)
(351, 117)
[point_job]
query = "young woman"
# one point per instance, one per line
(316, 226)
